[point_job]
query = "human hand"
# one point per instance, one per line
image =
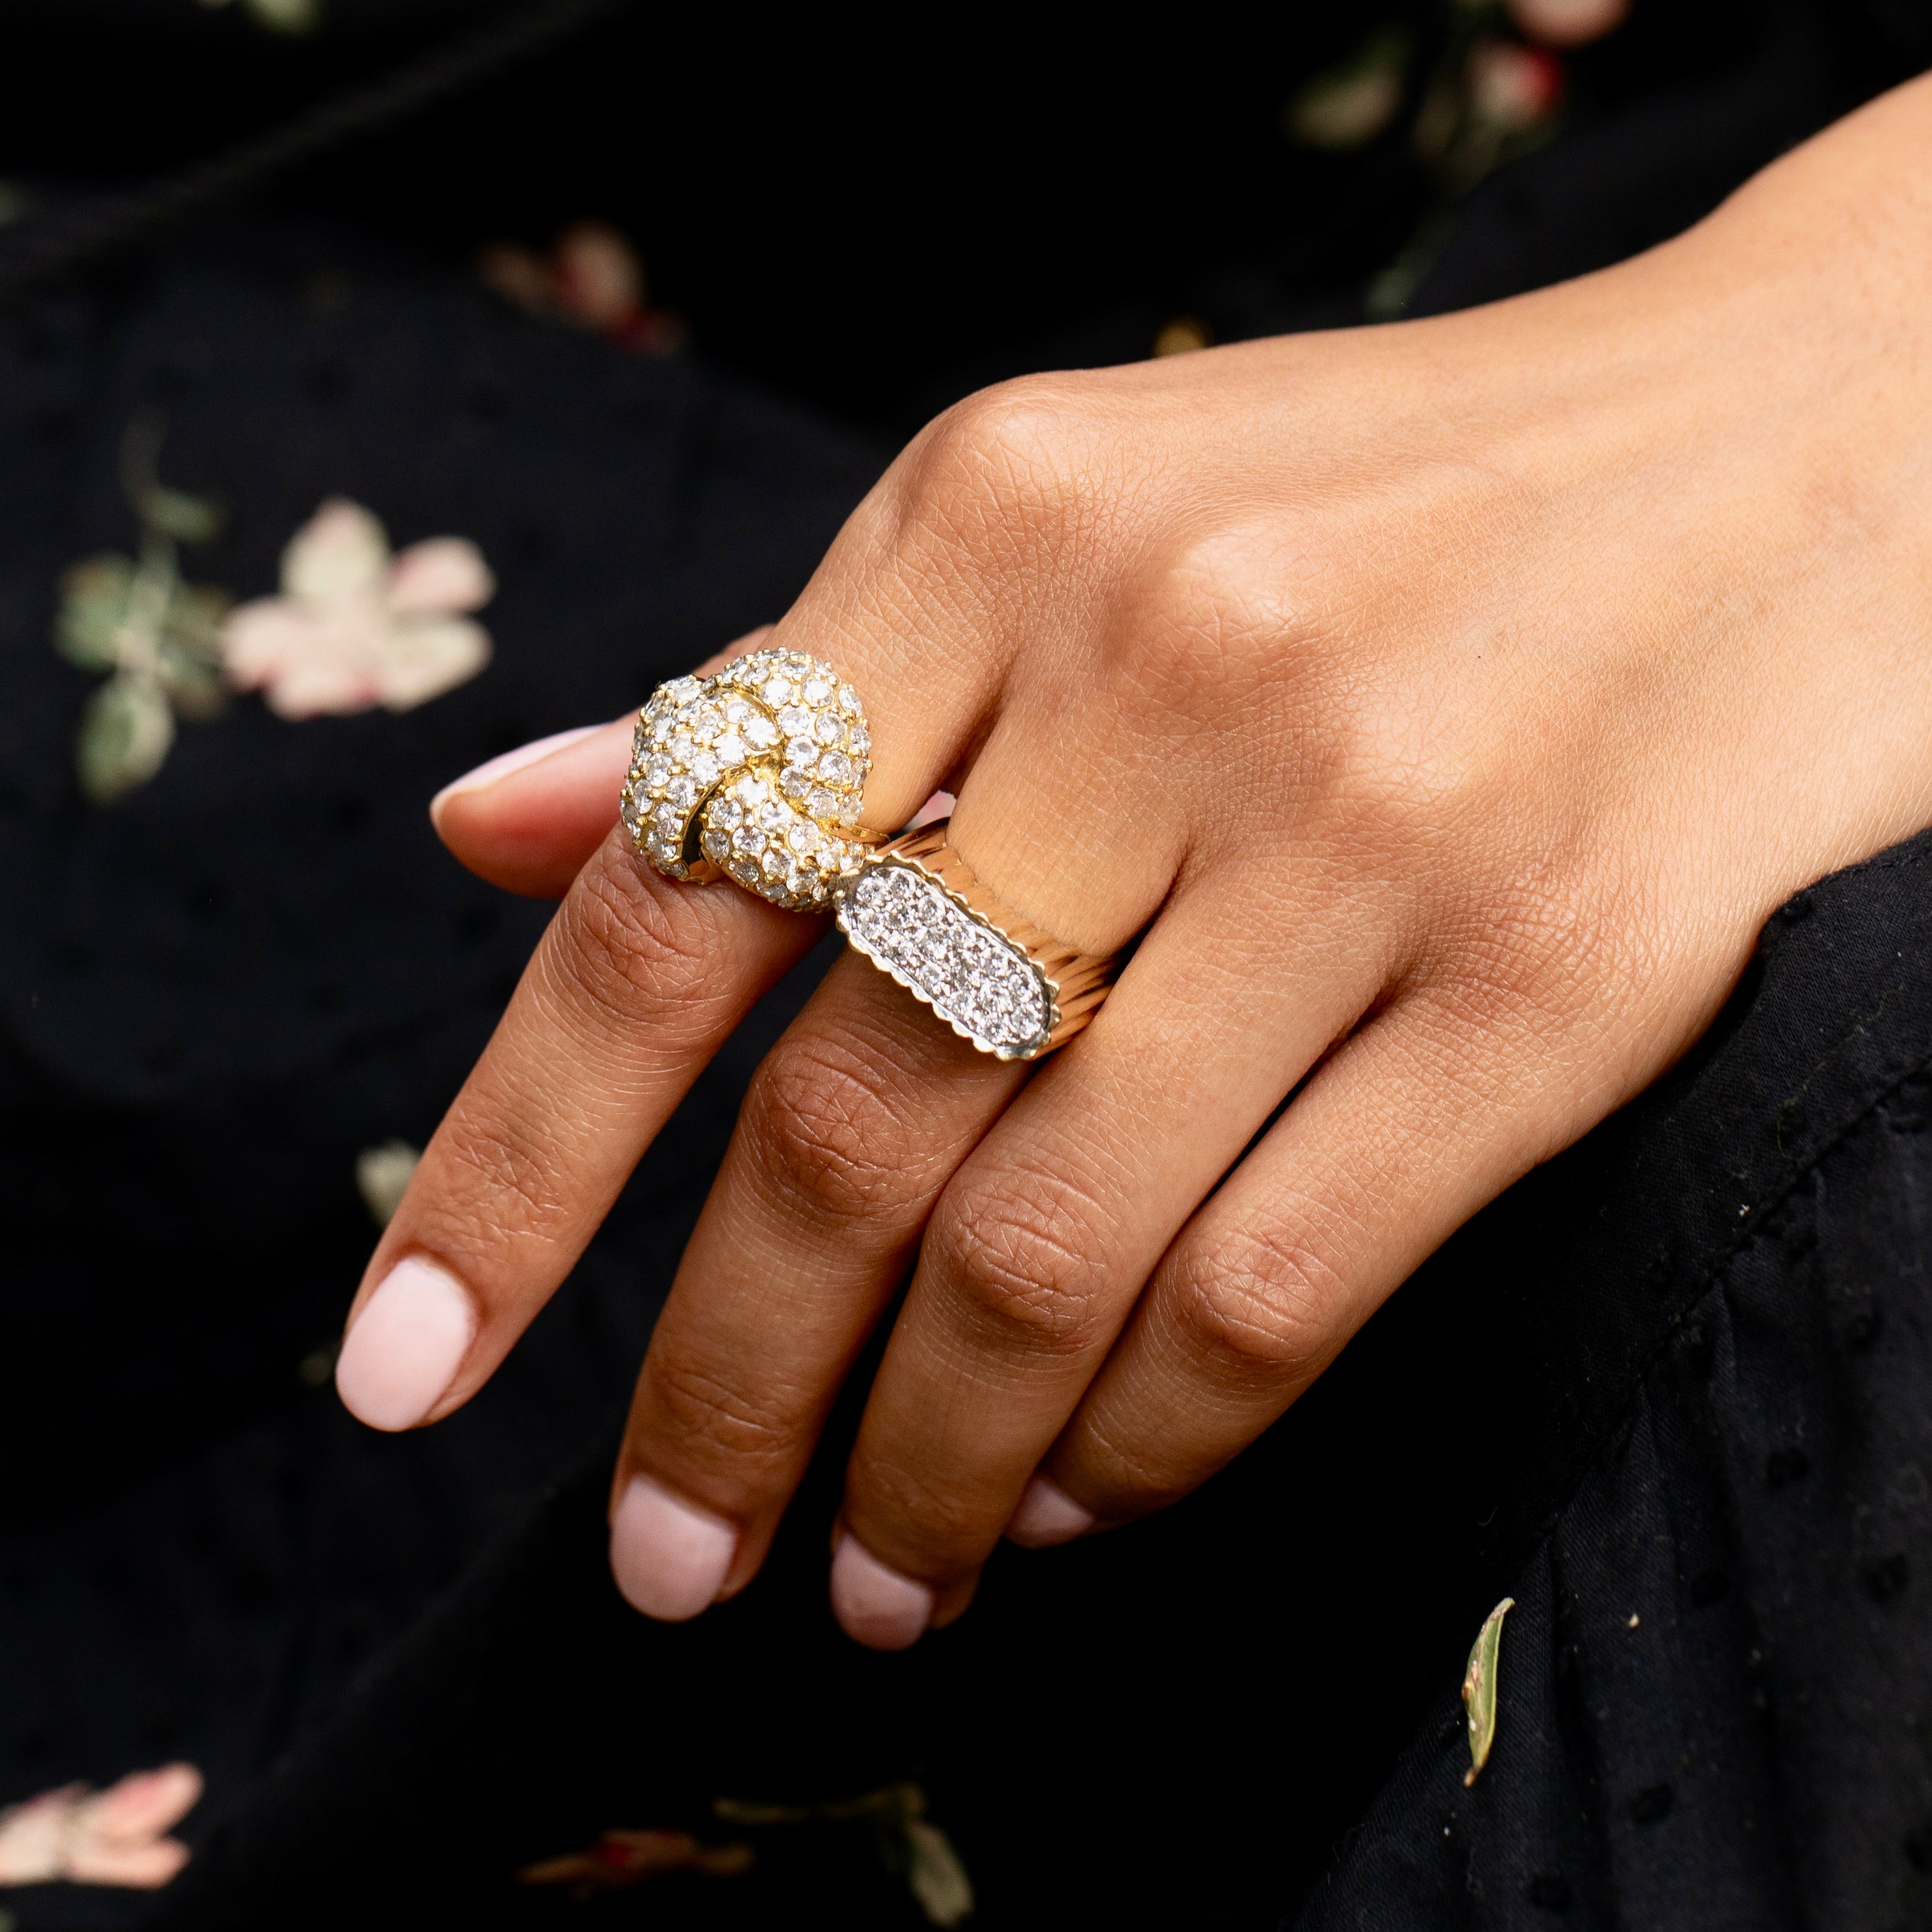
(1446, 705)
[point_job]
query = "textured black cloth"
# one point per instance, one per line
(218, 991)
(1669, 1393)
(1679, 1374)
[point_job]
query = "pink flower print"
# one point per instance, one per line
(115, 1837)
(355, 628)
(1512, 87)
(592, 277)
(1567, 23)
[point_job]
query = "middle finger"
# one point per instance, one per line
(853, 1124)
(1039, 1249)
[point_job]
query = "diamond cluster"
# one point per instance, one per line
(982, 984)
(760, 768)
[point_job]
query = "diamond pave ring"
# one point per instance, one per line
(756, 774)
(915, 909)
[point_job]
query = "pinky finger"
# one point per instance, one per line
(1406, 1132)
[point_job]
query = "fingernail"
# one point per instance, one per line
(876, 1605)
(510, 761)
(405, 1346)
(1047, 1515)
(669, 1556)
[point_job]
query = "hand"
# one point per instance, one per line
(1446, 706)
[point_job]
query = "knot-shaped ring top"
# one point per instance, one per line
(756, 773)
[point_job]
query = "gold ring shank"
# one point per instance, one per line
(919, 912)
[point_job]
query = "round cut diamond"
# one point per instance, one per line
(773, 726)
(982, 984)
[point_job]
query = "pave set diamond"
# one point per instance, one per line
(760, 769)
(981, 983)
(759, 773)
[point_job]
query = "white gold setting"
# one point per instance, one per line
(975, 980)
(918, 913)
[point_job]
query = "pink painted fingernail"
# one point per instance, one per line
(669, 1556)
(1047, 1515)
(501, 767)
(405, 1346)
(876, 1605)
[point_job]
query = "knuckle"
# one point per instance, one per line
(947, 1526)
(1263, 1305)
(494, 1159)
(635, 949)
(1022, 1252)
(1545, 962)
(1006, 451)
(824, 1135)
(703, 1415)
(1126, 1472)
(1211, 617)
(492, 1186)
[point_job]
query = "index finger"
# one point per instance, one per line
(641, 978)
(636, 983)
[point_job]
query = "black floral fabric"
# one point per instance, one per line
(213, 995)
(1670, 1393)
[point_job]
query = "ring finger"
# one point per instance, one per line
(1037, 1254)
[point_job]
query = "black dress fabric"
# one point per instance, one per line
(1669, 1393)
(219, 992)
(1672, 1393)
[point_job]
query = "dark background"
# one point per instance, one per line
(214, 994)
(873, 215)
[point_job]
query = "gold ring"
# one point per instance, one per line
(756, 774)
(915, 909)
